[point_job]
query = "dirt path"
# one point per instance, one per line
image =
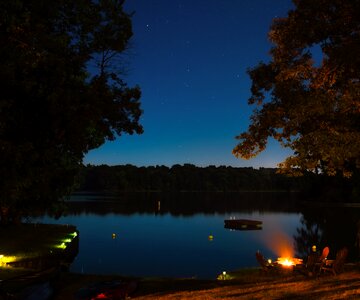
(343, 286)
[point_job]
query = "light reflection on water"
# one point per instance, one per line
(165, 245)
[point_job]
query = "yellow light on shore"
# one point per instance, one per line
(6, 259)
(224, 276)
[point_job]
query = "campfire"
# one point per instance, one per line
(282, 245)
(289, 261)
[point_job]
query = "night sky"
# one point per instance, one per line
(190, 59)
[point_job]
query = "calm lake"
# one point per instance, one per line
(183, 235)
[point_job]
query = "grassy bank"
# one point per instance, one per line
(35, 246)
(246, 284)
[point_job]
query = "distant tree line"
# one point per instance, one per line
(185, 177)
(188, 177)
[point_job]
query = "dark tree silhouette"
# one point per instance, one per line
(335, 227)
(307, 96)
(55, 105)
(185, 178)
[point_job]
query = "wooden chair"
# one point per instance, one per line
(335, 266)
(313, 263)
(321, 260)
(312, 259)
(308, 267)
(324, 254)
(265, 265)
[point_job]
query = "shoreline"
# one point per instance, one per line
(250, 283)
(245, 284)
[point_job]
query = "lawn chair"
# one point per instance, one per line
(324, 254)
(312, 259)
(313, 263)
(335, 266)
(265, 265)
(321, 260)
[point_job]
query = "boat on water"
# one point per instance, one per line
(243, 224)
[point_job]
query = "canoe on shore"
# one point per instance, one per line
(243, 224)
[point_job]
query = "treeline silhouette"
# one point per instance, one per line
(185, 177)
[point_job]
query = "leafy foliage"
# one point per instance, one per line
(334, 227)
(53, 107)
(306, 102)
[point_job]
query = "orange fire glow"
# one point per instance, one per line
(289, 261)
(281, 244)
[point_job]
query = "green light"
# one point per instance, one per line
(61, 246)
(74, 234)
(67, 240)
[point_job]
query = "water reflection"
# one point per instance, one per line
(183, 204)
(183, 235)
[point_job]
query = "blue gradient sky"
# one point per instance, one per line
(190, 59)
